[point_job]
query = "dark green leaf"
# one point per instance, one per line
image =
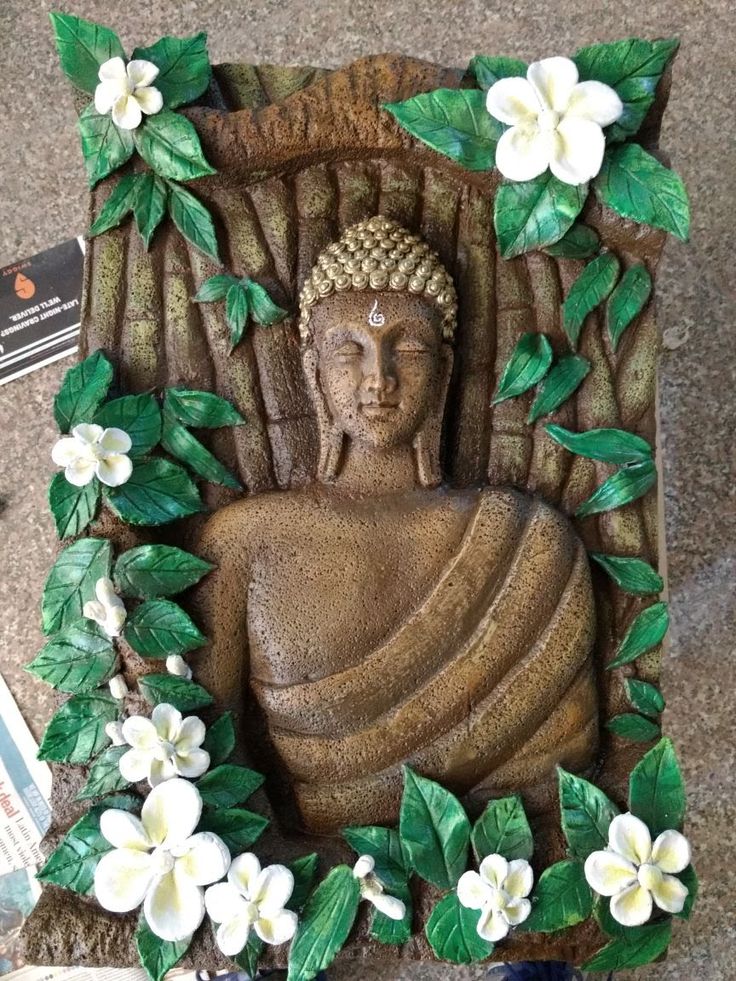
(690, 880)
(455, 122)
(118, 206)
(71, 581)
(236, 312)
(72, 507)
(169, 144)
(488, 70)
(325, 924)
(503, 829)
(193, 220)
(228, 785)
(591, 287)
(634, 727)
(564, 379)
(158, 956)
(637, 186)
(396, 932)
(533, 214)
(249, 956)
(262, 308)
(238, 828)
(633, 68)
(561, 898)
(78, 659)
(586, 814)
(581, 242)
(150, 206)
(147, 571)
(384, 845)
(646, 631)
(657, 791)
(83, 391)
(434, 829)
(180, 443)
(201, 409)
(104, 774)
(602, 913)
(83, 47)
(304, 870)
(179, 692)
(77, 730)
(157, 492)
(158, 628)
(622, 487)
(641, 945)
(215, 288)
(528, 364)
(220, 739)
(609, 445)
(138, 415)
(627, 300)
(452, 931)
(630, 574)
(105, 146)
(184, 68)
(645, 697)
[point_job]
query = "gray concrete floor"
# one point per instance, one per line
(44, 202)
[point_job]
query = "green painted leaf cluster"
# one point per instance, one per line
(184, 70)
(635, 727)
(622, 487)
(592, 286)
(76, 731)
(158, 628)
(243, 298)
(150, 571)
(434, 829)
(158, 956)
(489, 69)
(644, 634)
(77, 659)
(228, 785)
(452, 932)
(562, 381)
(83, 390)
(631, 574)
(157, 492)
(529, 363)
(535, 214)
(586, 814)
(627, 301)
(503, 829)
(325, 924)
(561, 898)
(180, 692)
(608, 445)
(71, 582)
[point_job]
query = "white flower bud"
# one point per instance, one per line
(118, 687)
(175, 664)
(114, 732)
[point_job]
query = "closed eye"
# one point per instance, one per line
(409, 346)
(348, 351)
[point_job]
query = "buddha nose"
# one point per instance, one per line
(380, 378)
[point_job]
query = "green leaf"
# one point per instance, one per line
(236, 312)
(635, 185)
(646, 632)
(118, 205)
(104, 774)
(657, 791)
(633, 68)
(634, 727)
(627, 300)
(645, 697)
(149, 206)
(201, 409)
(158, 956)
(228, 785)
(564, 379)
(72, 507)
(395, 932)
(105, 146)
(586, 814)
(158, 628)
(262, 308)
(602, 914)
(325, 924)
(138, 415)
(184, 67)
(454, 122)
(147, 571)
(169, 144)
(561, 898)
(434, 829)
(220, 739)
(215, 288)
(238, 828)
(533, 214)
(71, 581)
(304, 870)
(630, 574)
(157, 492)
(528, 364)
(690, 880)
(641, 945)
(183, 694)
(180, 443)
(249, 956)
(83, 391)
(581, 242)
(591, 287)
(78, 659)
(384, 845)
(83, 47)
(503, 829)
(622, 487)
(77, 730)
(193, 220)
(488, 70)
(609, 445)
(452, 932)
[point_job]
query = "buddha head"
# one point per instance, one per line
(377, 320)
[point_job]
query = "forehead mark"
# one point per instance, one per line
(376, 319)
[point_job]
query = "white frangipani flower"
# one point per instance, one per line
(372, 889)
(114, 732)
(176, 665)
(126, 90)
(92, 451)
(499, 890)
(555, 121)
(108, 610)
(163, 747)
(252, 899)
(634, 872)
(158, 861)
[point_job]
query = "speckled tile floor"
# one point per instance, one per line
(44, 202)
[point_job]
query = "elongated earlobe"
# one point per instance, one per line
(330, 436)
(427, 441)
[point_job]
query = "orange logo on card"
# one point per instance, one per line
(24, 287)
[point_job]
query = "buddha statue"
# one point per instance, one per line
(378, 616)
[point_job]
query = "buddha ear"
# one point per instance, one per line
(330, 436)
(427, 440)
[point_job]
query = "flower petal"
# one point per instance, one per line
(513, 101)
(174, 906)
(126, 113)
(632, 907)
(87, 432)
(472, 891)
(80, 472)
(223, 901)
(112, 70)
(124, 830)
(277, 928)
(94, 610)
(273, 888)
(206, 859)
(122, 878)
(493, 870)
(191, 734)
(517, 911)
(577, 151)
(609, 872)
(115, 440)
(161, 770)
(192, 763)
(149, 99)
(671, 852)
(140, 733)
(114, 470)
(244, 872)
(629, 836)
(553, 80)
(141, 72)
(65, 451)
(520, 879)
(492, 925)
(135, 765)
(595, 101)
(167, 721)
(171, 812)
(523, 153)
(670, 894)
(364, 866)
(390, 906)
(232, 934)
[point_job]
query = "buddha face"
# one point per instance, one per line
(382, 364)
